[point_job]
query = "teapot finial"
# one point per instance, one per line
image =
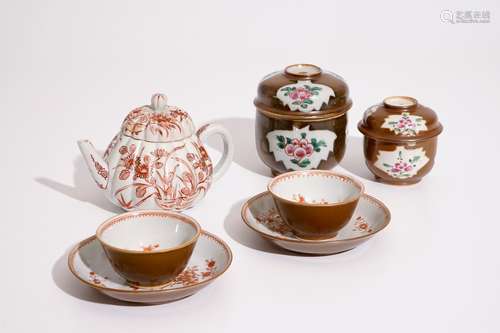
(158, 102)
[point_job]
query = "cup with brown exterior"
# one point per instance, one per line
(150, 247)
(316, 204)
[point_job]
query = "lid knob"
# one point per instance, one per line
(158, 102)
(303, 70)
(400, 102)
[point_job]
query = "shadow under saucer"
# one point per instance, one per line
(65, 281)
(238, 231)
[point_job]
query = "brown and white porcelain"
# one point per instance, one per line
(400, 140)
(316, 204)
(261, 215)
(149, 248)
(90, 265)
(301, 119)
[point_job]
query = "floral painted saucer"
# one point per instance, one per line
(211, 258)
(260, 214)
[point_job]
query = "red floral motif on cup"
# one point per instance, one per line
(150, 247)
(173, 182)
(159, 123)
(301, 199)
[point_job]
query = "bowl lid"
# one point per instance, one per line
(303, 91)
(158, 122)
(400, 119)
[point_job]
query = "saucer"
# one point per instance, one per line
(260, 214)
(211, 258)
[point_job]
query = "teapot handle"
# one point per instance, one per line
(222, 165)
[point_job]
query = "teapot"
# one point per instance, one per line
(157, 160)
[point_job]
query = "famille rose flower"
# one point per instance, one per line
(401, 166)
(300, 93)
(406, 123)
(299, 148)
(289, 149)
(299, 153)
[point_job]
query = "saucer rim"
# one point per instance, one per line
(246, 207)
(79, 245)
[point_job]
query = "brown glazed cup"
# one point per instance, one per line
(150, 247)
(316, 204)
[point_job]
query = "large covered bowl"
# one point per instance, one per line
(301, 119)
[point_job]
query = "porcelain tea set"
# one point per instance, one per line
(156, 166)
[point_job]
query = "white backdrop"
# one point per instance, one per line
(73, 69)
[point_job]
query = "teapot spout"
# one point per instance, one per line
(98, 167)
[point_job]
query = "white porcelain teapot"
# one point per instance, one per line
(157, 160)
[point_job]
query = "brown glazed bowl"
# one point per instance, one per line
(316, 204)
(400, 140)
(150, 247)
(301, 119)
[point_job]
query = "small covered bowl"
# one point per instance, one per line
(400, 140)
(301, 119)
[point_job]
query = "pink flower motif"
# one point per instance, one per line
(309, 149)
(303, 143)
(299, 153)
(300, 93)
(289, 149)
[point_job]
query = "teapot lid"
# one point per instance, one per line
(400, 119)
(158, 122)
(303, 91)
